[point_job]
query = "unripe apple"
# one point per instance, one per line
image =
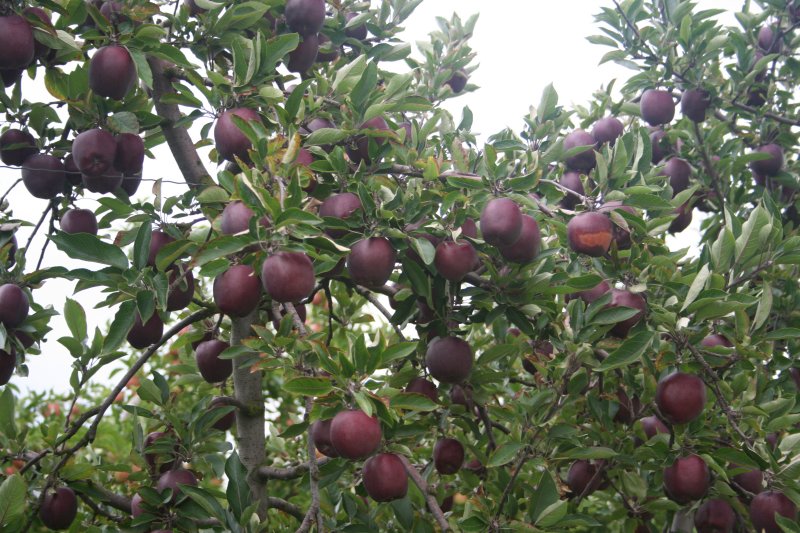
(304, 55)
(448, 456)
(657, 107)
(624, 298)
(765, 506)
(237, 291)
(621, 236)
(580, 478)
(681, 397)
(421, 386)
(590, 233)
(230, 141)
(652, 426)
(181, 283)
(211, 367)
(59, 508)
(79, 221)
(501, 222)
(585, 160)
(525, 249)
(571, 179)
(385, 478)
(305, 17)
(44, 176)
(14, 305)
(449, 359)
(341, 206)
(16, 146)
(371, 261)
(94, 152)
(694, 103)
(454, 260)
(321, 433)
(17, 44)
(679, 173)
(173, 479)
(771, 166)
(288, 276)
(158, 239)
(687, 479)
(143, 335)
(715, 516)
(354, 434)
(112, 72)
(8, 362)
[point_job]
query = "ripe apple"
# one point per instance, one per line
(624, 298)
(766, 505)
(525, 249)
(771, 166)
(454, 260)
(458, 81)
(657, 107)
(585, 160)
(107, 183)
(652, 426)
(180, 292)
(14, 305)
(448, 456)
(682, 220)
(458, 396)
(8, 362)
(341, 206)
(112, 72)
(449, 359)
(172, 479)
(237, 291)
(607, 130)
(230, 141)
(226, 422)
(305, 17)
(628, 408)
(59, 508)
(385, 478)
(79, 221)
(16, 146)
(590, 295)
(328, 52)
(687, 479)
(716, 339)
(590, 233)
(44, 176)
(74, 176)
(40, 50)
(579, 478)
(236, 218)
(679, 173)
(354, 434)
(680, 397)
(371, 261)
(359, 32)
(143, 335)
(321, 433)
(621, 236)
(136, 506)
(660, 146)
(113, 12)
(288, 276)
(158, 239)
(751, 481)
(421, 386)
(94, 152)
(360, 151)
(303, 57)
(694, 103)
(571, 179)
(17, 44)
(165, 461)
(211, 367)
(129, 157)
(770, 39)
(11, 77)
(715, 516)
(501, 222)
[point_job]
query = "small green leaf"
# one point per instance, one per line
(504, 454)
(594, 452)
(308, 386)
(628, 352)
(76, 319)
(399, 350)
(88, 247)
(412, 401)
(697, 286)
(120, 326)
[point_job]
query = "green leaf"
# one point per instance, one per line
(308, 386)
(238, 492)
(120, 326)
(412, 401)
(504, 454)
(764, 306)
(149, 391)
(8, 426)
(399, 350)
(12, 499)
(76, 319)
(548, 102)
(593, 452)
(141, 246)
(781, 334)
(88, 247)
(614, 314)
(324, 136)
(202, 498)
(628, 352)
(552, 514)
(697, 286)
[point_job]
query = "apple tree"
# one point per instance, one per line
(352, 315)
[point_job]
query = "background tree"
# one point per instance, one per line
(362, 320)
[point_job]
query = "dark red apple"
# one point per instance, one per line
(173, 479)
(181, 283)
(8, 362)
(230, 141)
(164, 461)
(354, 434)
(143, 335)
(448, 456)
(44, 176)
(359, 32)
(41, 50)
(716, 339)
(16, 146)
(590, 295)
(94, 152)
(360, 152)
(10, 77)
(501, 222)
(652, 426)
(768, 167)
(236, 218)
(158, 239)
(585, 160)
(305, 17)
(580, 478)
(458, 396)
(211, 367)
(694, 103)
(657, 107)
(525, 249)
(59, 508)
(680, 397)
(679, 173)
(607, 130)
(303, 57)
(136, 506)
(770, 39)
(321, 433)
(237, 291)
(590, 233)
(421, 386)
(112, 72)
(715, 516)
(341, 206)
(371, 261)
(682, 219)
(449, 359)
(107, 183)
(571, 179)
(79, 221)
(628, 408)
(17, 44)
(385, 478)
(621, 236)
(687, 479)
(454, 260)
(129, 158)
(14, 305)
(328, 52)
(624, 298)
(660, 146)
(751, 481)
(766, 506)
(458, 81)
(288, 276)
(226, 422)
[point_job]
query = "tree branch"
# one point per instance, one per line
(313, 514)
(290, 472)
(433, 505)
(368, 296)
(286, 507)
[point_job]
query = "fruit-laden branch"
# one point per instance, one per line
(433, 505)
(368, 296)
(314, 514)
(565, 190)
(296, 320)
(290, 472)
(712, 172)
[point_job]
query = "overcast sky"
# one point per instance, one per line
(522, 46)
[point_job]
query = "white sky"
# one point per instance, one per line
(521, 45)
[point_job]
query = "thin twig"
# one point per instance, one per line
(430, 498)
(313, 514)
(712, 172)
(298, 322)
(286, 507)
(367, 295)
